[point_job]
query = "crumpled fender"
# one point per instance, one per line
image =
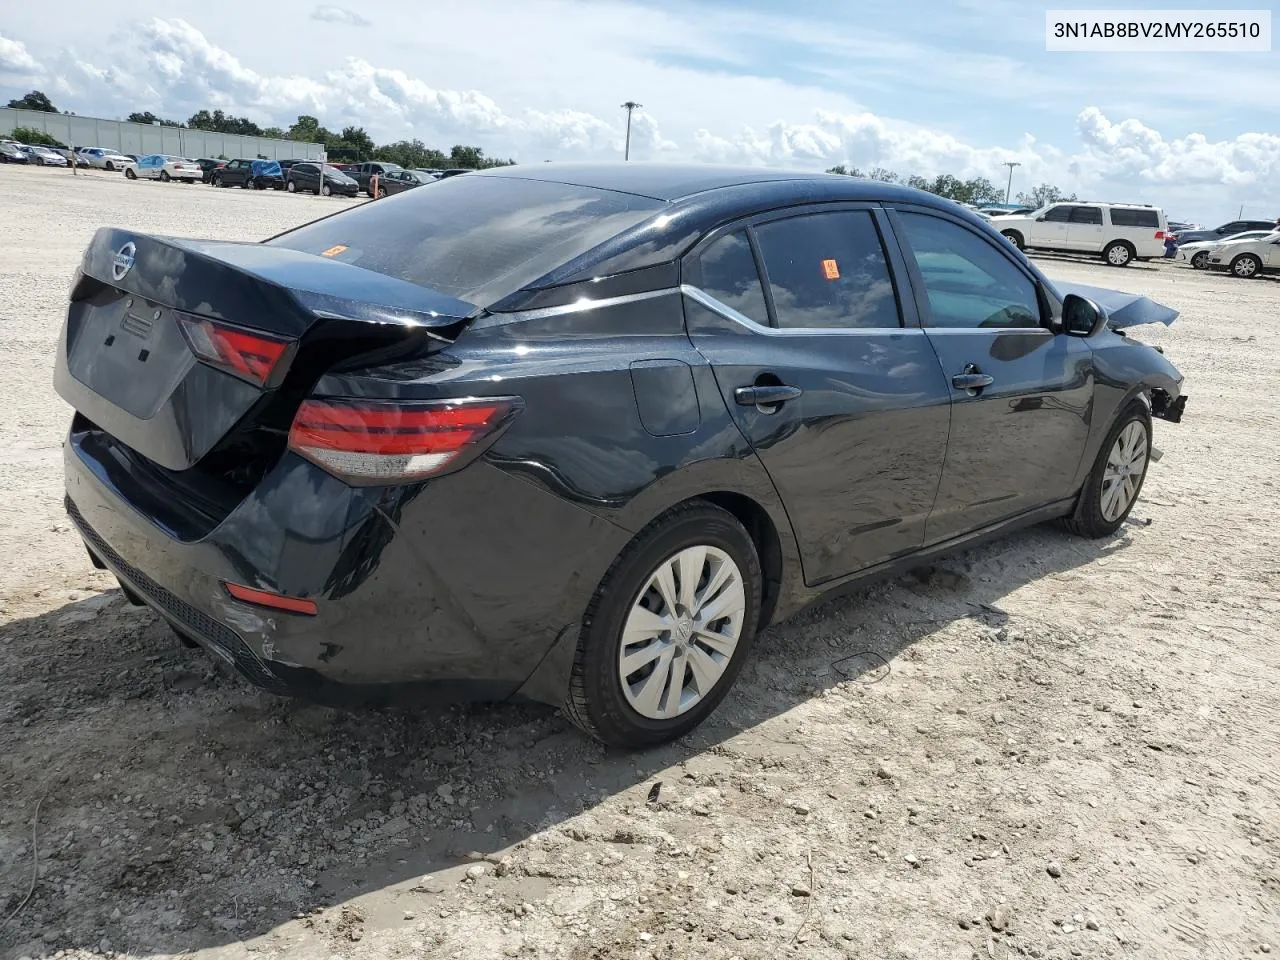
(1123, 309)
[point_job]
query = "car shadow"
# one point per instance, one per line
(1094, 260)
(180, 809)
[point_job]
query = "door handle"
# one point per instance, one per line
(765, 396)
(972, 378)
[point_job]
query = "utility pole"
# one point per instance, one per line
(629, 106)
(1009, 188)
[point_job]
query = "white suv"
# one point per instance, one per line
(1119, 232)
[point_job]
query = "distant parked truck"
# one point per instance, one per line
(1119, 232)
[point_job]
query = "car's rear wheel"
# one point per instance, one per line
(216, 181)
(1014, 237)
(1246, 266)
(1118, 253)
(164, 176)
(247, 184)
(1200, 260)
(668, 629)
(130, 175)
(1113, 485)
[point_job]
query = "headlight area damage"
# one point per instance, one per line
(1123, 310)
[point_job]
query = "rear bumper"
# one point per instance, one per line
(421, 592)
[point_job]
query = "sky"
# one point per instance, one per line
(923, 88)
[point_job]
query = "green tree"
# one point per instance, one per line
(34, 137)
(1044, 194)
(358, 140)
(411, 153)
(149, 117)
(308, 130)
(35, 100)
(275, 133)
(219, 122)
(473, 158)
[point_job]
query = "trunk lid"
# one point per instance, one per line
(125, 365)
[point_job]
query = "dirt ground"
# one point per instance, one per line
(1045, 747)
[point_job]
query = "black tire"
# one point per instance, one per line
(216, 181)
(247, 185)
(1118, 253)
(164, 176)
(1246, 267)
(110, 168)
(1014, 237)
(1200, 259)
(129, 174)
(596, 702)
(291, 186)
(1088, 520)
(325, 190)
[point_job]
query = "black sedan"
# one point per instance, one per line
(319, 178)
(11, 153)
(399, 181)
(577, 433)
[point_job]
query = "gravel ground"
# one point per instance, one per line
(1045, 747)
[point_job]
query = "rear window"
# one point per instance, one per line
(473, 238)
(1124, 217)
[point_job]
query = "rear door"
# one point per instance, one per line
(1050, 229)
(1021, 396)
(828, 375)
(1084, 229)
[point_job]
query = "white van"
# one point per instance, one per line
(1119, 232)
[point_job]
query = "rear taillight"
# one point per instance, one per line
(1160, 234)
(376, 442)
(250, 356)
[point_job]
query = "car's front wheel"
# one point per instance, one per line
(668, 629)
(1246, 266)
(110, 167)
(291, 187)
(1200, 260)
(1014, 237)
(326, 190)
(1113, 485)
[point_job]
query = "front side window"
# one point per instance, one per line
(968, 281)
(729, 274)
(828, 270)
(1058, 214)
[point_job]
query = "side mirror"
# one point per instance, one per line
(1082, 317)
(1039, 219)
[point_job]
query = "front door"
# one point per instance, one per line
(1050, 229)
(1021, 395)
(828, 376)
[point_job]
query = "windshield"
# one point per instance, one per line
(332, 169)
(474, 238)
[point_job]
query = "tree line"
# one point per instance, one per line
(977, 191)
(351, 144)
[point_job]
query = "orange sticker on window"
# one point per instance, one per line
(831, 269)
(334, 251)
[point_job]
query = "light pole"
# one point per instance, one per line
(1009, 188)
(629, 106)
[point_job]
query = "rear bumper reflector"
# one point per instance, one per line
(276, 601)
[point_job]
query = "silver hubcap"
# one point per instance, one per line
(1118, 255)
(681, 632)
(1125, 466)
(1245, 266)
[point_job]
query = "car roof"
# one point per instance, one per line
(673, 181)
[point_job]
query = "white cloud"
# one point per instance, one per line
(15, 62)
(328, 13)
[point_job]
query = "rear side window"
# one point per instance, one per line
(1087, 215)
(474, 238)
(1125, 217)
(729, 274)
(828, 270)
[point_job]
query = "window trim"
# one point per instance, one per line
(920, 293)
(691, 269)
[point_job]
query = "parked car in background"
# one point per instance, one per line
(306, 176)
(456, 171)
(443, 464)
(45, 156)
(434, 173)
(1197, 252)
(1005, 211)
(250, 174)
(1181, 226)
(1248, 258)
(1228, 229)
(159, 166)
(102, 158)
(363, 172)
(12, 152)
(207, 165)
(401, 180)
(1120, 233)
